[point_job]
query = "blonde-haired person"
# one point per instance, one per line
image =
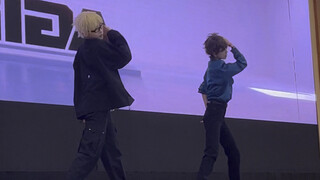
(88, 24)
(97, 90)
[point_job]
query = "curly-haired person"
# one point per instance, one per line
(216, 90)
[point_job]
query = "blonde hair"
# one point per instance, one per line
(86, 22)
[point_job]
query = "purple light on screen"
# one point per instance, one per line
(166, 40)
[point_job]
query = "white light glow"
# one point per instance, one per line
(284, 94)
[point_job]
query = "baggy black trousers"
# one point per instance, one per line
(98, 141)
(217, 132)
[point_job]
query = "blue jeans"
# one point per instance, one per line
(98, 141)
(217, 132)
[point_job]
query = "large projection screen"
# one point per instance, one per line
(166, 38)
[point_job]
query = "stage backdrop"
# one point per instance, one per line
(166, 37)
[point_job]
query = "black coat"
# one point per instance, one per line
(97, 84)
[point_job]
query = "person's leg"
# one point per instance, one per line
(111, 155)
(232, 152)
(213, 119)
(90, 146)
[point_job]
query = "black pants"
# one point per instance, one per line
(218, 131)
(98, 141)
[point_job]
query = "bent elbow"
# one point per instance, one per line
(128, 56)
(245, 65)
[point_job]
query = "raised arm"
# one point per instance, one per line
(232, 69)
(117, 49)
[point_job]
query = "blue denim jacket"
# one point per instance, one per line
(217, 83)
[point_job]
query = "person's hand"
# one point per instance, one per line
(96, 34)
(83, 121)
(106, 29)
(228, 43)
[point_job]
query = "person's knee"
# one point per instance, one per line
(91, 143)
(212, 153)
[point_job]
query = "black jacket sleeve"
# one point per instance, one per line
(116, 50)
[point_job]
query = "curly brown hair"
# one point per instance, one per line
(214, 44)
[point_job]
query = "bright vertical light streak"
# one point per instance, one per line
(2, 14)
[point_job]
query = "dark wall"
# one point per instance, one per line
(38, 137)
